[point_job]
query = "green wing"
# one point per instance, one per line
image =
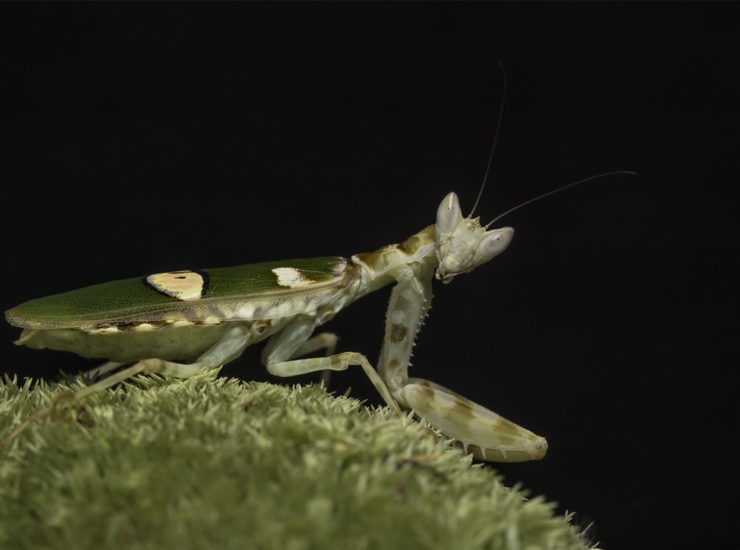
(154, 298)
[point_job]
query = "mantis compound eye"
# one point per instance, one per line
(493, 244)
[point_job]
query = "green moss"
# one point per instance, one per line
(217, 463)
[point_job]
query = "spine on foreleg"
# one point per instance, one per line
(409, 303)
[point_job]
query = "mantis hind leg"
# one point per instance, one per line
(227, 348)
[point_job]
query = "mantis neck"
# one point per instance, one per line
(413, 258)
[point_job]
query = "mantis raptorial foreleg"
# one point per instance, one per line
(481, 431)
(408, 305)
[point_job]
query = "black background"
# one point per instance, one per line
(146, 138)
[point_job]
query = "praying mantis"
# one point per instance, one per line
(210, 316)
(207, 317)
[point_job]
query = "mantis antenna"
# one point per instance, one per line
(563, 188)
(495, 138)
(538, 197)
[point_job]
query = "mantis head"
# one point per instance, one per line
(462, 243)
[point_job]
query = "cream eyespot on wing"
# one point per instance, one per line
(290, 277)
(183, 285)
